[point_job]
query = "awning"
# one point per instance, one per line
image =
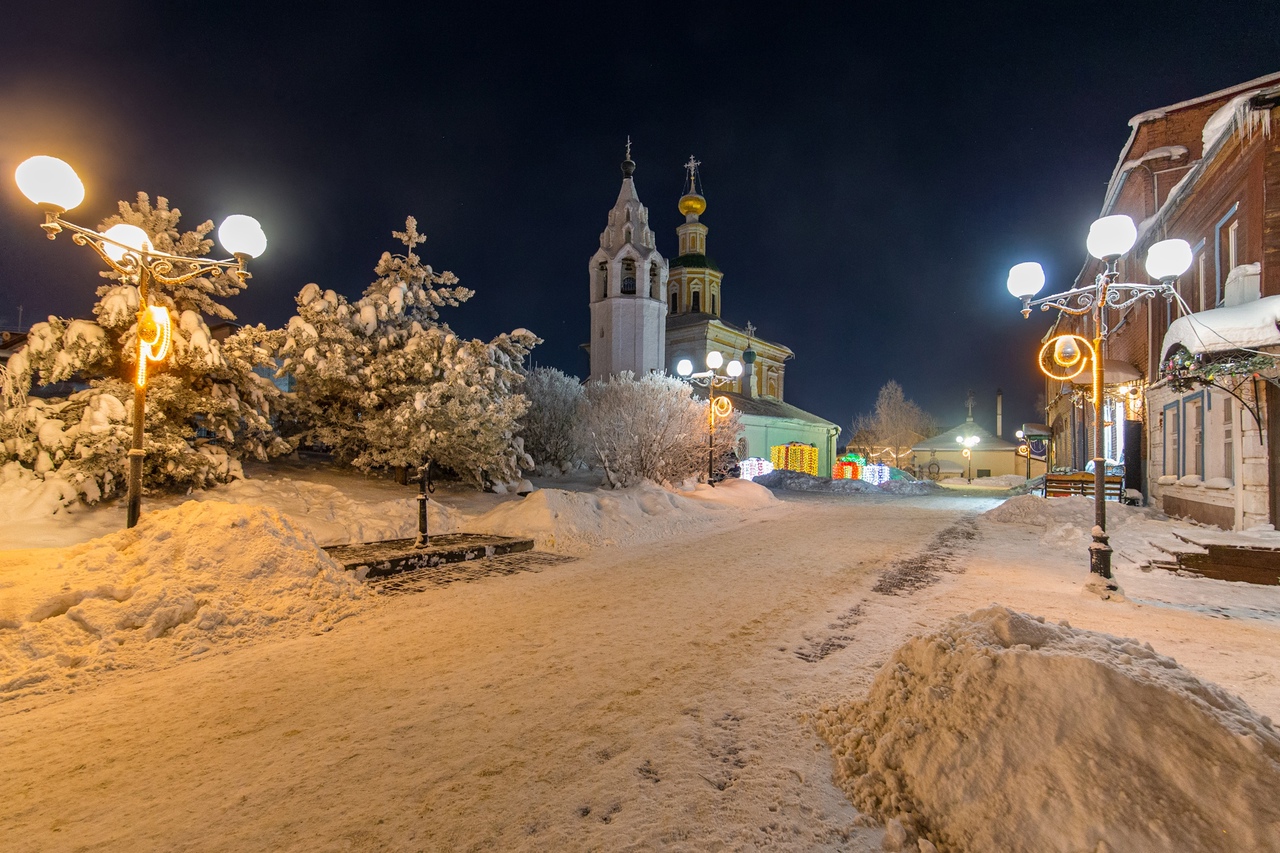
(1246, 326)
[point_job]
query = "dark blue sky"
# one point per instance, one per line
(870, 175)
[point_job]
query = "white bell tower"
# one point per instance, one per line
(628, 280)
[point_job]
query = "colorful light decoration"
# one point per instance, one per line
(876, 473)
(795, 456)
(753, 467)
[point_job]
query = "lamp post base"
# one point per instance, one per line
(1100, 554)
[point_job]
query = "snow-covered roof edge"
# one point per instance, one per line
(1246, 326)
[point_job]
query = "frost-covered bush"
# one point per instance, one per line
(550, 427)
(381, 383)
(206, 407)
(651, 428)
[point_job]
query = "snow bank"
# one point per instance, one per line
(1003, 732)
(575, 522)
(182, 581)
(797, 481)
(1049, 512)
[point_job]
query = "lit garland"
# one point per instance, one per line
(875, 474)
(1186, 371)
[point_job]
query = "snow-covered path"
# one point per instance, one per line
(642, 697)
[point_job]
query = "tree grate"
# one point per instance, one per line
(420, 580)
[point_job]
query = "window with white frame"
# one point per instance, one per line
(1228, 439)
(1171, 443)
(1195, 437)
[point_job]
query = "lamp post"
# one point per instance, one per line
(1110, 238)
(722, 407)
(1024, 449)
(127, 250)
(969, 442)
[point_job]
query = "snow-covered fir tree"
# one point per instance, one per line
(381, 382)
(206, 405)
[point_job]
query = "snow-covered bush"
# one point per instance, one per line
(651, 428)
(206, 407)
(550, 426)
(381, 383)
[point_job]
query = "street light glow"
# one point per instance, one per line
(715, 359)
(242, 235)
(49, 181)
(684, 367)
(1168, 259)
(1025, 279)
(122, 237)
(734, 369)
(1111, 236)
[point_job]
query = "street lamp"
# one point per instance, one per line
(969, 442)
(1110, 238)
(717, 407)
(128, 250)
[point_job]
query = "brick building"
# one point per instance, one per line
(1192, 385)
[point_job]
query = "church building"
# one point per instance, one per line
(647, 314)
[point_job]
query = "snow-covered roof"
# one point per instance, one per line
(1247, 326)
(947, 440)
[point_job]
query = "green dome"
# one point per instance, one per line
(695, 262)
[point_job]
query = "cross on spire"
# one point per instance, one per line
(751, 330)
(628, 146)
(692, 168)
(969, 403)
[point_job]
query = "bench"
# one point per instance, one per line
(1066, 485)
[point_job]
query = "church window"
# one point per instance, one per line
(713, 303)
(628, 214)
(697, 302)
(654, 293)
(675, 301)
(628, 276)
(602, 277)
(626, 236)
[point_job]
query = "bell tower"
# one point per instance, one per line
(694, 284)
(628, 278)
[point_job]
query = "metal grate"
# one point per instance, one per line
(419, 580)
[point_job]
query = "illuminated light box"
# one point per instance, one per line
(795, 457)
(754, 467)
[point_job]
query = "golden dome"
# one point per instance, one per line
(693, 204)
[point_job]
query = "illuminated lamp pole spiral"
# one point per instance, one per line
(127, 250)
(717, 407)
(1066, 356)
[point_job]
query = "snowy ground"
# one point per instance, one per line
(666, 690)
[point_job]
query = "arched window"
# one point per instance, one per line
(697, 302)
(654, 293)
(628, 275)
(626, 235)
(713, 303)
(675, 301)
(602, 279)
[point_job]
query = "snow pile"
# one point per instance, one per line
(797, 481)
(909, 487)
(1057, 512)
(575, 522)
(1003, 732)
(334, 517)
(25, 497)
(182, 581)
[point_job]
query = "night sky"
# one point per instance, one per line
(870, 175)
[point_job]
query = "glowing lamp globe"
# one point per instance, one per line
(684, 367)
(715, 359)
(124, 237)
(242, 235)
(734, 369)
(1111, 236)
(1168, 259)
(1025, 280)
(1065, 351)
(49, 181)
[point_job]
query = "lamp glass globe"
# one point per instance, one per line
(1168, 259)
(1026, 279)
(124, 237)
(734, 369)
(242, 235)
(714, 359)
(48, 180)
(684, 367)
(1111, 236)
